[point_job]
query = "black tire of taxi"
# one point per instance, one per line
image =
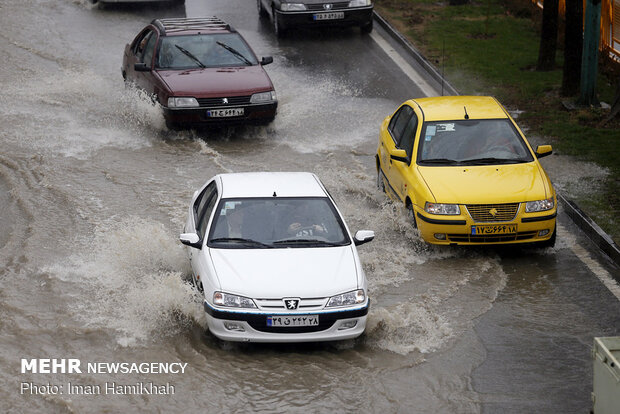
(366, 28)
(411, 214)
(380, 183)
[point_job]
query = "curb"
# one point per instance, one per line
(415, 53)
(585, 223)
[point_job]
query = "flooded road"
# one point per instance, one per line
(93, 195)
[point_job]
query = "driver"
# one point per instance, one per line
(302, 223)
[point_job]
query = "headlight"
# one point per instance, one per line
(185, 102)
(263, 97)
(359, 3)
(232, 301)
(292, 7)
(444, 209)
(346, 299)
(539, 205)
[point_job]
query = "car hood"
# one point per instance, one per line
(217, 82)
(486, 184)
(287, 272)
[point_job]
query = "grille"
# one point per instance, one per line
(503, 212)
(305, 304)
(233, 100)
(335, 6)
(490, 238)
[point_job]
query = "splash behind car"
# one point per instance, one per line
(201, 71)
(466, 172)
(275, 260)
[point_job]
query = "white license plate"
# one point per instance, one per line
(301, 320)
(496, 229)
(224, 113)
(329, 16)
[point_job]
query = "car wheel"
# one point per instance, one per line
(261, 10)
(277, 27)
(380, 183)
(172, 126)
(411, 215)
(366, 28)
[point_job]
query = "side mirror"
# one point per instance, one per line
(266, 60)
(543, 151)
(399, 155)
(141, 67)
(191, 240)
(363, 236)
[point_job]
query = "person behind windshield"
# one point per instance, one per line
(303, 223)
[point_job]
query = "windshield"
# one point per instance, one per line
(276, 223)
(471, 142)
(207, 50)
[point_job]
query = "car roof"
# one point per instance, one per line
(192, 25)
(441, 108)
(266, 184)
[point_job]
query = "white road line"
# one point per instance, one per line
(415, 77)
(593, 265)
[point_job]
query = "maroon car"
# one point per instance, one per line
(201, 71)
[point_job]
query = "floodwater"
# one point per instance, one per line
(93, 195)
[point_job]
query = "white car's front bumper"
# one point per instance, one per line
(248, 326)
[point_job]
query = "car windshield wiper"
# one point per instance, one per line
(235, 53)
(439, 161)
(491, 160)
(307, 241)
(190, 55)
(241, 241)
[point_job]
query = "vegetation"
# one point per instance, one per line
(491, 48)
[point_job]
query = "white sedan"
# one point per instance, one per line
(275, 260)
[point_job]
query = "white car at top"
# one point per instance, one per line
(275, 259)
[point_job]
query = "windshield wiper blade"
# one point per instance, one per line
(235, 53)
(492, 160)
(307, 241)
(190, 55)
(239, 240)
(439, 161)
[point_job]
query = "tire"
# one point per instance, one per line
(277, 27)
(411, 214)
(261, 10)
(380, 183)
(366, 28)
(173, 126)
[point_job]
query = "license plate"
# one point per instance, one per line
(329, 16)
(495, 229)
(302, 320)
(224, 113)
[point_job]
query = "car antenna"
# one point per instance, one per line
(466, 116)
(274, 194)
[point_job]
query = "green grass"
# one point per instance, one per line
(486, 48)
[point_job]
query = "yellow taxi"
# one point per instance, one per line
(466, 173)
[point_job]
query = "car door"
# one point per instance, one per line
(395, 130)
(402, 172)
(142, 50)
(201, 215)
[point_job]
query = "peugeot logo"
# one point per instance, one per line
(291, 304)
(493, 212)
(328, 6)
(225, 100)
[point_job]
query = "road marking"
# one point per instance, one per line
(602, 274)
(415, 77)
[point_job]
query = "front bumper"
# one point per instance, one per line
(252, 113)
(352, 17)
(531, 228)
(254, 325)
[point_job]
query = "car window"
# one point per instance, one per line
(399, 122)
(202, 200)
(208, 50)
(472, 140)
(277, 223)
(407, 138)
(140, 42)
(206, 214)
(149, 49)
